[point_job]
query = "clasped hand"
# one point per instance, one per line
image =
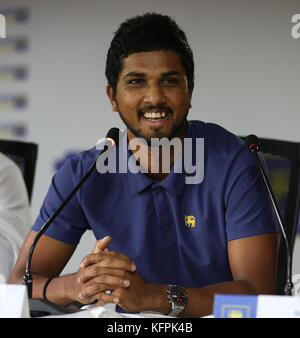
(104, 270)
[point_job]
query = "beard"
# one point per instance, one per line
(157, 132)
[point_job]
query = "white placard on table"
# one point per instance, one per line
(256, 306)
(278, 307)
(13, 301)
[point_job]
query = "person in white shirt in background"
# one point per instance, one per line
(15, 217)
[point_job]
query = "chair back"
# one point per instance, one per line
(282, 160)
(24, 154)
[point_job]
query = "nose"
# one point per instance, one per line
(154, 95)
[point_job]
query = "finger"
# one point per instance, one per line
(103, 283)
(93, 272)
(112, 260)
(91, 293)
(98, 290)
(101, 244)
(104, 298)
(103, 254)
(118, 254)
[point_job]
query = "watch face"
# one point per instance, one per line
(179, 296)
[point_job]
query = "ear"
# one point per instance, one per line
(191, 93)
(111, 96)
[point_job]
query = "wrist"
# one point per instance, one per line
(71, 289)
(48, 281)
(156, 299)
(61, 290)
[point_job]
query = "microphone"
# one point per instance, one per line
(40, 307)
(253, 145)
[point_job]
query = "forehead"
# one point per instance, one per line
(154, 62)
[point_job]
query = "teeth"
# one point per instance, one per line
(154, 115)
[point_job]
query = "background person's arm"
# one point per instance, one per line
(15, 219)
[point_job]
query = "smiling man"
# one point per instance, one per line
(152, 98)
(162, 245)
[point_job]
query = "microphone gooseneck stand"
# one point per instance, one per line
(253, 145)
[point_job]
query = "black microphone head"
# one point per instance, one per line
(113, 135)
(252, 143)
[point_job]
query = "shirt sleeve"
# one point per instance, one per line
(15, 217)
(248, 205)
(71, 223)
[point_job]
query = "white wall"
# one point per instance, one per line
(247, 73)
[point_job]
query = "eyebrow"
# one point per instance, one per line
(171, 73)
(135, 74)
(139, 74)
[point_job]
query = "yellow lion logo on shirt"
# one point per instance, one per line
(190, 221)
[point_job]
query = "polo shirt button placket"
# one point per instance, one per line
(163, 213)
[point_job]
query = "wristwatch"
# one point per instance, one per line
(178, 299)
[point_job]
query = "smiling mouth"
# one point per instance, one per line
(154, 116)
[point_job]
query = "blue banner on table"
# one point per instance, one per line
(235, 306)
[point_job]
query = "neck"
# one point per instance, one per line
(153, 158)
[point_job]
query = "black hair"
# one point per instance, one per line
(145, 33)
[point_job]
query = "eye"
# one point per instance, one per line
(170, 81)
(136, 82)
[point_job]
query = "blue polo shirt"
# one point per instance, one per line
(174, 232)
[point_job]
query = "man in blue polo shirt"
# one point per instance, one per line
(162, 244)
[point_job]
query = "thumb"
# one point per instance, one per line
(101, 244)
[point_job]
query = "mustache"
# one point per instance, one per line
(152, 107)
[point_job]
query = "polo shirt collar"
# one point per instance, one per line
(139, 181)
